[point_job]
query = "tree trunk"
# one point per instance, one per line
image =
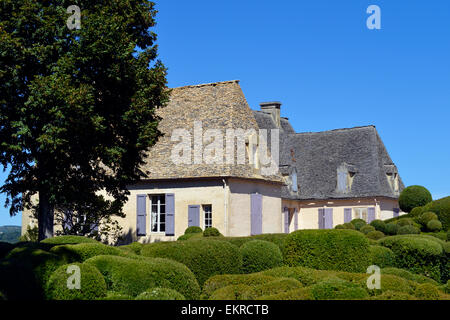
(45, 216)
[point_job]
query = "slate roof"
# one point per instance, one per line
(219, 105)
(316, 157)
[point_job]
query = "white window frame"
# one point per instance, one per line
(205, 218)
(158, 213)
(357, 213)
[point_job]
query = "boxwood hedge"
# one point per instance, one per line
(381, 256)
(134, 276)
(346, 250)
(258, 255)
(337, 289)
(68, 240)
(160, 294)
(205, 258)
(405, 274)
(92, 284)
(83, 251)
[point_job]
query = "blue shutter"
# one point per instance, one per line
(329, 218)
(255, 213)
(296, 219)
(193, 216)
(141, 213)
(396, 212)
(347, 215)
(170, 214)
(370, 214)
(321, 218)
(286, 220)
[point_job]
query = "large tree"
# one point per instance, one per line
(76, 105)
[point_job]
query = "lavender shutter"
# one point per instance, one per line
(255, 213)
(296, 219)
(286, 220)
(141, 214)
(193, 216)
(347, 215)
(396, 212)
(321, 218)
(170, 214)
(370, 215)
(329, 218)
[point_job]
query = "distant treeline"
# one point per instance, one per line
(10, 234)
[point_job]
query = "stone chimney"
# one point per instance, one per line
(272, 108)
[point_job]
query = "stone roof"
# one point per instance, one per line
(316, 156)
(220, 105)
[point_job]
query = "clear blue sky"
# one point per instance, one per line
(319, 59)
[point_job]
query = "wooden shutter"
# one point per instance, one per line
(170, 214)
(286, 220)
(194, 216)
(255, 213)
(370, 214)
(141, 213)
(321, 218)
(328, 218)
(347, 215)
(296, 211)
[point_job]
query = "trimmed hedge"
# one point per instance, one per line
(83, 251)
(160, 294)
(413, 196)
(434, 225)
(393, 295)
(132, 277)
(408, 229)
(366, 229)
(381, 256)
(92, 284)
(358, 223)
(212, 232)
(375, 235)
(259, 255)
(68, 240)
(5, 247)
(417, 254)
(404, 221)
(135, 247)
(427, 291)
(405, 274)
(306, 276)
(188, 236)
(296, 294)
(205, 258)
(379, 225)
(346, 250)
(441, 208)
(391, 228)
(193, 229)
(337, 289)
(427, 216)
(111, 295)
(231, 292)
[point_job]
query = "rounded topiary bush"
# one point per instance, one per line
(92, 284)
(160, 294)
(434, 225)
(204, 257)
(405, 274)
(188, 236)
(413, 196)
(427, 291)
(358, 223)
(340, 226)
(381, 256)
(379, 225)
(417, 254)
(416, 212)
(408, 229)
(337, 289)
(193, 229)
(391, 228)
(425, 217)
(111, 295)
(68, 240)
(441, 208)
(375, 235)
(83, 251)
(333, 249)
(211, 232)
(134, 276)
(258, 255)
(405, 222)
(349, 225)
(366, 229)
(134, 247)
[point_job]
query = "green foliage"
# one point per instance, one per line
(416, 212)
(296, 294)
(381, 256)
(83, 251)
(426, 216)
(258, 255)
(232, 292)
(417, 254)
(337, 289)
(404, 221)
(193, 229)
(160, 294)
(346, 225)
(134, 247)
(32, 234)
(379, 225)
(211, 232)
(204, 257)
(405, 274)
(375, 235)
(358, 223)
(92, 284)
(68, 240)
(5, 247)
(413, 196)
(306, 276)
(111, 295)
(393, 295)
(327, 249)
(80, 112)
(134, 276)
(391, 228)
(408, 229)
(366, 229)
(188, 236)
(10, 234)
(441, 208)
(434, 225)
(427, 291)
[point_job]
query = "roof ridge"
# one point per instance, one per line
(338, 129)
(207, 84)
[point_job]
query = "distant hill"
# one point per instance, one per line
(10, 234)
